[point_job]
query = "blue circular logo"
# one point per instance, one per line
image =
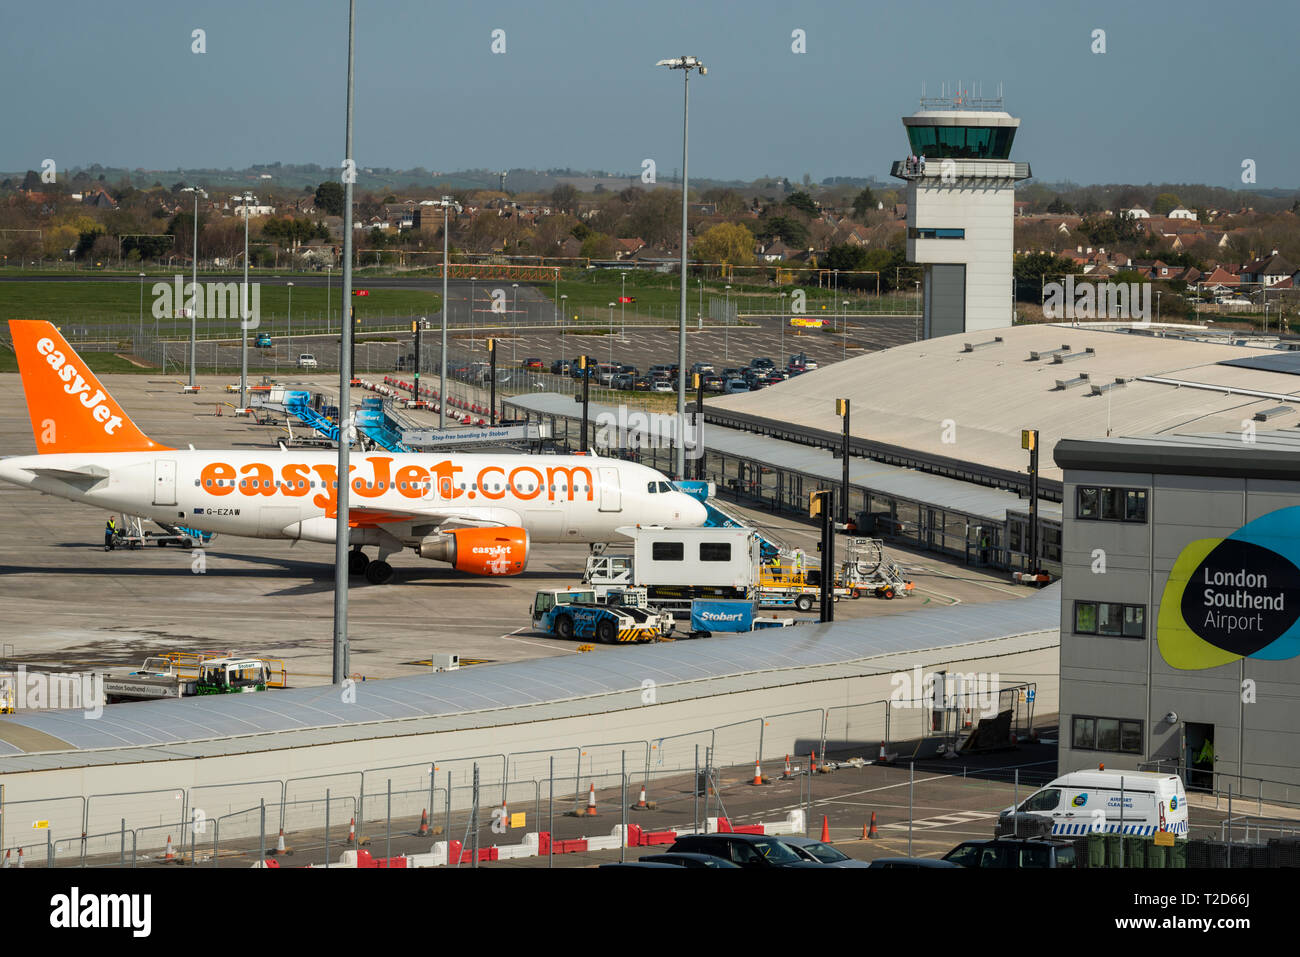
(1080, 800)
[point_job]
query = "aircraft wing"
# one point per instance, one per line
(365, 516)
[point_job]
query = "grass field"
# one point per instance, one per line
(121, 303)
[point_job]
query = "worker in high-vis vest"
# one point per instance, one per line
(110, 530)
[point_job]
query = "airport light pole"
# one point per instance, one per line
(514, 320)
(564, 305)
(622, 297)
(726, 326)
(329, 292)
(442, 366)
(195, 267)
(611, 339)
(783, 355)
(289, 333)
(844, 325)
(141, 346)
(244, 317)
(341, 527)
(686, 64)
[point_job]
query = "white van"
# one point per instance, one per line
(1086, 801)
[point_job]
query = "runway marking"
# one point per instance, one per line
(515, 634)
(942, 820)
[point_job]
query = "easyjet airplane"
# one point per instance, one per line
(479, 512)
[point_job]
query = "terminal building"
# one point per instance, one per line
(960, 211)
(1180, 596)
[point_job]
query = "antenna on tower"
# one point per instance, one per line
(503, 180)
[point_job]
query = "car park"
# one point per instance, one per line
(820, 852)
(1012, 853)
(682, 859)
(912, 862)
(746, 850)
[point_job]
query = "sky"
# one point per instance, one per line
(1185, 91)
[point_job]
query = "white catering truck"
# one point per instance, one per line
(678, 565)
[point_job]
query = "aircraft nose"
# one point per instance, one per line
(693, 511)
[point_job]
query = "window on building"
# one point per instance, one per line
(1120, 735)
(1111, 504)
(1113, 619)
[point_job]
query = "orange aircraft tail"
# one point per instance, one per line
(69, 409)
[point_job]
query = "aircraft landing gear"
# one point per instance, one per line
(357, 561)
(379, 572)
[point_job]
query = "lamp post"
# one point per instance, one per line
(623, 308)
(611, 336)
(342, 530)
(244, 317)
(726, 326)
(140, 346)
(289, 334)
(783, 355)
(195, 267)
(442, 363)
(473, 295)
(564, 304)
(514, 320)
(686, 64)
(844, 325)
(917, 283)
(329, 292)
(699, 315)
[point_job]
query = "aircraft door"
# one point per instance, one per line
(611, 494)
(164, 484)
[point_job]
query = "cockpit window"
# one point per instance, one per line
(665, 487)
(652, 487)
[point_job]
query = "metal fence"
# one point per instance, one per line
(219, 824)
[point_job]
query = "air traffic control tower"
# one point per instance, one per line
(960, 207)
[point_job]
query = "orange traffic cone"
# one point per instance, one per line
(424, 821)
(826, 830)
(812, 763)
(169, 856)
(872, 832)
(591, 801)
(884, 758)
(758, 774)
(505, 814)
(6, 863)
(966, 722)
(640, 801)
(20, 858)
(279, 845)
(352, 831)
(787, 775)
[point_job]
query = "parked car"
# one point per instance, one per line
(661, 370)
(623, 367)
(746, 850)
(733, 373)
(532, 362)
(642, 383)
(714, 383)
(306, 361)
(761, 363)
(264, 340)
(811, 849)
(623, 381)
(911, 862)
(702, 368)
(661, 385)
(561, 367)
(735, 385)
(683, 859)
(1006, 852)
(640, 865)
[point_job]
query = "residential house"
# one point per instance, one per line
(1268, 270)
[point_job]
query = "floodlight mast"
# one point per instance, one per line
(686, 64)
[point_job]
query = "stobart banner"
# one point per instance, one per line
(1235, 597)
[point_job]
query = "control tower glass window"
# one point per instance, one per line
(961, 142)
